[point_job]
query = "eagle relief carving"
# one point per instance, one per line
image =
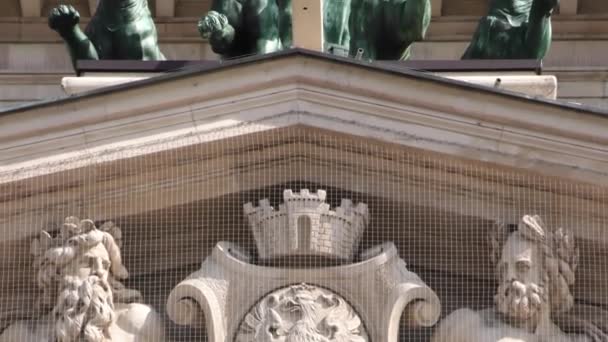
(302, 313)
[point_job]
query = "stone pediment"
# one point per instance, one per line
(299, 93)
(159, 155)
(299, 87)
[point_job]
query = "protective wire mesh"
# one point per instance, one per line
(173, 204)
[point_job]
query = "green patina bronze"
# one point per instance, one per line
(120, 29)
(244, 27)
(336, 26)
(386, 29)
(372, 29)
(513, 29)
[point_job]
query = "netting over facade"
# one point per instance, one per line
(354, 240)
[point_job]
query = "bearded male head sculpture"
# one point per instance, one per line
(535, 269)
(81, 299)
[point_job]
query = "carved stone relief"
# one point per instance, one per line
(535, 268)
(302, 313)
(305, 225)
(220, 295)
(82, 298)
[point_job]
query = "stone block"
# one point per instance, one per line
(534, 85)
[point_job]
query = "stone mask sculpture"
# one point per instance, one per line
(81, 297)
(369, 29)
(120, 29)
(513, 29)
(535, 269)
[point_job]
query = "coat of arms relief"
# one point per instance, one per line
(302, 313)
(361, 297)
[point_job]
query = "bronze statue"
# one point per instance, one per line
(513, 29)
(371, 29)
(120, 29)
(244, 27)
(386, 29)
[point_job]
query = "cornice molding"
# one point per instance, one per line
(422, 112)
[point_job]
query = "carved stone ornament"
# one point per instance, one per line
(82, 299)
(236, 299)
(535, 268)
(302, 313)
(305, 225)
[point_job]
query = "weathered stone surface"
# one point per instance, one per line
(82, 298)
(180, 170)
(535, 267)
(305, 312)
(220, 295)
(305, 226)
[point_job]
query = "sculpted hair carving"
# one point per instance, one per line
(84, 310)
(560, 257)
(81, 308)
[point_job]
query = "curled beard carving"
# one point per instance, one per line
(520, 301)
(84, 310)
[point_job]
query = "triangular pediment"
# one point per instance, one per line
(438, 162)
(370, 100)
